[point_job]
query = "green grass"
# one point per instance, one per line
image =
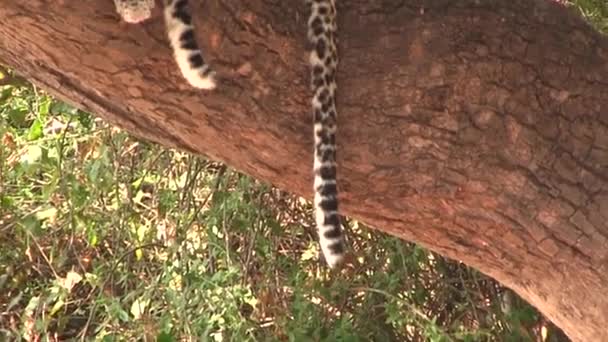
(106, 237)
(594, 11)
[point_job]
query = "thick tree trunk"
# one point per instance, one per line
(475, 128)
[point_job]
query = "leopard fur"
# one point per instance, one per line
(178, 20)
(322, 31)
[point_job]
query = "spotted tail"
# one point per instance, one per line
(322, 28)
(187, 54)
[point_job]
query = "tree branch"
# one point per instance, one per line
(473, 128)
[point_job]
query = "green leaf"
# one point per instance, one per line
(165, 337)
(60, 107)
(49, 212)
(44, 106)
(139, 306)
(57, 306)
(31, 305)
(6, 93)
(35, 131)
(50, 188)
(31, 224)
(92, 237)
(33, 155)
(139, 254)
(109, 338)
(17, 117)
(6, 202)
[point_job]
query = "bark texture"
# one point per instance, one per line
(475, 128)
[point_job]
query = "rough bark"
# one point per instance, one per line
(475, 128)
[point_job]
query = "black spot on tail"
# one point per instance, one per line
(196, 61)
(187, 40)
(327, 189)
(333, 233)
(336, 248)
(181, 12)
(329, 204)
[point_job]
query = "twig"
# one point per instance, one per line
(83, 332)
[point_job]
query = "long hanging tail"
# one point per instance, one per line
(322, 28)
(187, 54)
